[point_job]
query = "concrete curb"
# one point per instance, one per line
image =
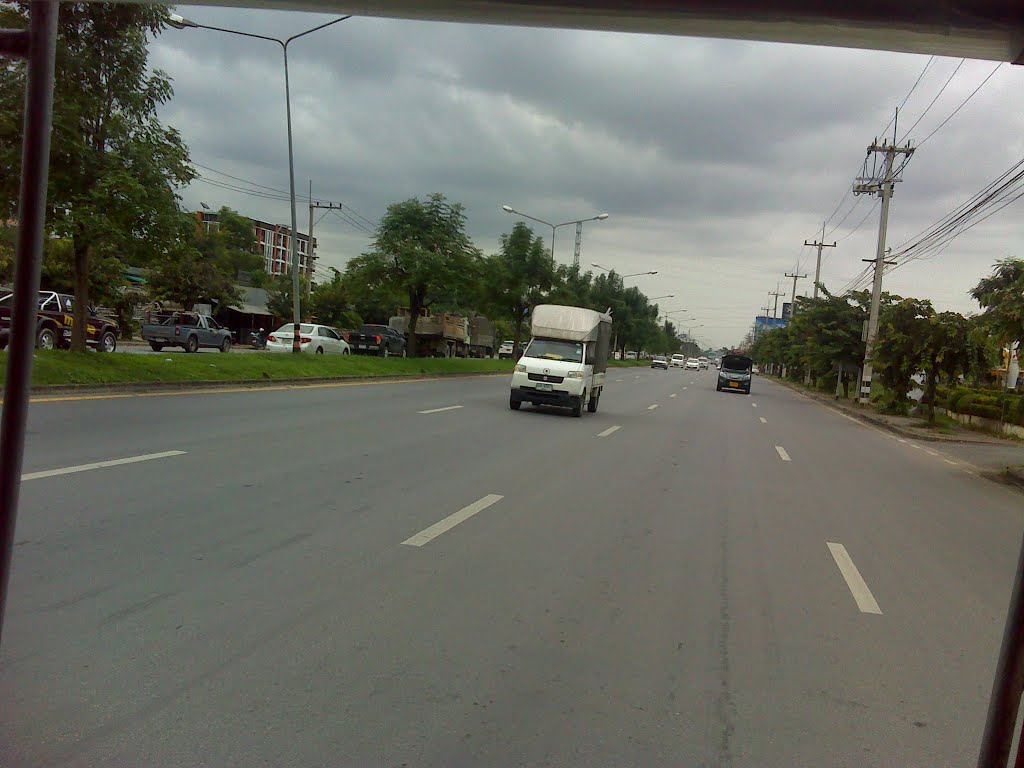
(176, 386)
(879, 422)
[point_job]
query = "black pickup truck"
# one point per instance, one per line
(54, 318)
(376, 340)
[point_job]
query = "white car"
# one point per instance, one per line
(631, 355)
(505, 350)
(693, 364)
(314, 339)
(677, 361)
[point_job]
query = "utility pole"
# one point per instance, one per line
(776, 294)
(882, 187)
(795, 276)
(817, 269)
(309, 250)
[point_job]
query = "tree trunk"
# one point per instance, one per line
(930, 387)
(518, 335)
(79, 332)
(414, 315)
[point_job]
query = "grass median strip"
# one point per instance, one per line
(59, 368)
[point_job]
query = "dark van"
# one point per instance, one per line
(735, 373)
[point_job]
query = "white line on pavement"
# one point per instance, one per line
(609, 431)
(684, 387)
(915, 445)
(652, 407)
(99, 465)
(428, 534)
(950, 461)
(865, 600)
(763, 419)
(618, 381)
(673, 395)
(446, 408)
(900, 439)
(753, 405)
(931, 452)
(782, 453)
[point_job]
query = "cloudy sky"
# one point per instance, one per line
(714, 159)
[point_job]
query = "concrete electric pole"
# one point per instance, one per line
(309, 249)
(776, 293)
(817, 269)
(882, 187)
(792, 307)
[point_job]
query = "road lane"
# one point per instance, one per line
(666, 596)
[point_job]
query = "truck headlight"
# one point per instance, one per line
(575, 375)
(520, 368)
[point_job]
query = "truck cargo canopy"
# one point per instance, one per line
(554, 321)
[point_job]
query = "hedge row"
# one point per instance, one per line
(986, 403)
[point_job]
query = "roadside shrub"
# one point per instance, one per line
(954, 398)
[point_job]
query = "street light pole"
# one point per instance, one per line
(578, 222)
(633, 274)
(180, 22)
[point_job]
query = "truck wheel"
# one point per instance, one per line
(594, 400)
(46, 339)
(514, 404)
(577, 410)
(192, 345)
(345, 352)
(225, 345)
(156, 347)
(108, 342)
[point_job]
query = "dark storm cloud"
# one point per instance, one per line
(715, 159)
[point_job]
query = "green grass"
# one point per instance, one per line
(64, 368)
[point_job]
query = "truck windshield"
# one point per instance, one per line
(551, 349)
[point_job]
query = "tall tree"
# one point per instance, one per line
(947, 349)
(114, 167)
(517, 278)
(1001, 296)
(899, 349)
(421, 250)
(279, 298)
(187, 276)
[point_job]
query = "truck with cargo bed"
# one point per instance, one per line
(188, 330)
(564, 364)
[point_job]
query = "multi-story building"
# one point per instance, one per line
(274, 242)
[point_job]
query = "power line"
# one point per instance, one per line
(932, 102)
(962, 103)
(905, 98)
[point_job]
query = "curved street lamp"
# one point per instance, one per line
(634, 274)
(510, 209)
(180, 22)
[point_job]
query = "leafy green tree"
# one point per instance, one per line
(948, 350)
(330, 303)
(422, 251)
(188, 277)
(1001, 296)
(231, 243)
(900, 346)
(517, 278)
(279, 298)
(114, 167)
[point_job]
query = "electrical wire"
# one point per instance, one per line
(932, 102)
(962, 103)
(927, 64)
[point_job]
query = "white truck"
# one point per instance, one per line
(564, 364)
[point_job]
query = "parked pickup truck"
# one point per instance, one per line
(54, 318)
(188, 330)
(379, 340)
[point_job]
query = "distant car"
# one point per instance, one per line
(631, 355)
(659, 361)
(703, 363)
(755, 370)
(735, 373)
(314, 339)
(678, 361)
(693, 364)
(505, 350)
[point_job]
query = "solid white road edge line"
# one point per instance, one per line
(428, 534)
(950, 461)
(763, 419)
(652, 407)
(609, 431)
(861, 594)
(446, 408)
(782, 453)
(100, 465)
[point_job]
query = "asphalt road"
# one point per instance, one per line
(350, 576)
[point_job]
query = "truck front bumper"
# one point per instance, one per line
(554, 397)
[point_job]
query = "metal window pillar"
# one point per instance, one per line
(37, 45)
